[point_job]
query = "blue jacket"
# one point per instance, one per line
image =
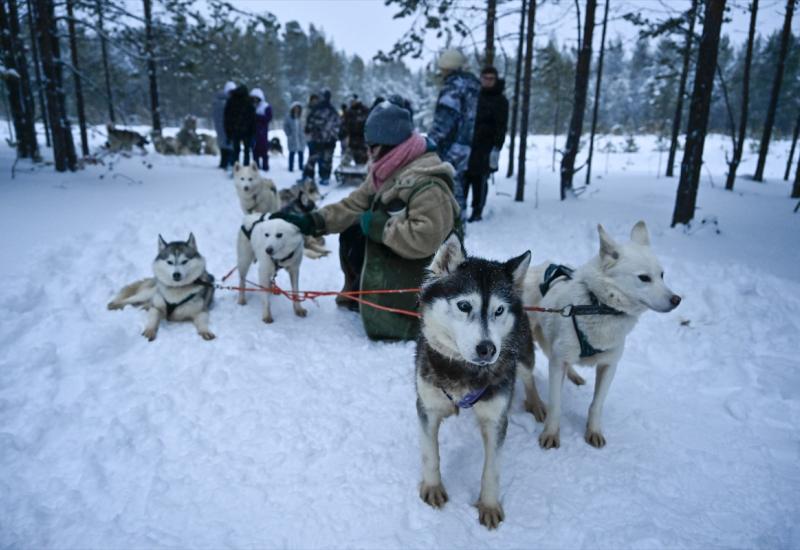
(454, 118)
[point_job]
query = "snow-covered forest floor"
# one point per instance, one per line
(303, 434)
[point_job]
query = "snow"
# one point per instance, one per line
(304, 433)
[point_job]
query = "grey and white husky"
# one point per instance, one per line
(256, 194)
(274, 244)
(181, 289)
(604, 299)
(474, 340)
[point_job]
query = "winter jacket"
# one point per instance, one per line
(293, 127)
(454, 118)
(263, 118)
(323, 123)
(400, 245)
(353, 124)
(218, 115)
(491, 125)
(240, 116)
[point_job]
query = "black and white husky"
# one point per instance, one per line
(473, 341)
(181, 289)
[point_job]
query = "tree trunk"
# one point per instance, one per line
(791, 151)
(796, 186)
(676, 120)
(104, 56)
(491, 22)
(47, 32)
(76, 77)
(733, 165)
(579, 104)
(526, 101)
(38, 72)
(698, 114)
(515, 99)
(597, 95)
(776, 90)
(151, 66)
(20, 93)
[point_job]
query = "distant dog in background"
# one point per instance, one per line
(124, 140)
(181, 290)
(256, 193)
(275, 146)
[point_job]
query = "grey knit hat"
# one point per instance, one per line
(388, 124)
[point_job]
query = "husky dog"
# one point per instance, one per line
(306, 187)
(275, 146)
(124, 140)
(603, 299)
(274, 244)
(256, 194)
(473, 341)
(301, 203)
(181, 290)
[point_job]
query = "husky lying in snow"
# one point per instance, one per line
(474, 340)
(274, 244)
(256, 194)
(181, 290)
(124, 140)
(607, 295)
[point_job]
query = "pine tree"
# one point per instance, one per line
(76, 77)
(597, 95)
(526, 97)
(676, 121)
(515, 97)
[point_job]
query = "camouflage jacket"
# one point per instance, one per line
(454, 118)
(323, 123)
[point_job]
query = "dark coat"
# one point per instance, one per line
(240, 116)
(491, 125)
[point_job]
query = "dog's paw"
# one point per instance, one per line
(114, 305)
(490, 515)
(537, 409)
(575, 378)
(242, 301)
(267, 319)
(300, 312)
(595, 439)
(433, 495)
(149, 333)
(549, 441)
(207, 335)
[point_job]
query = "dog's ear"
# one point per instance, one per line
(191, 242)
(449, 256)
(639, 234)
(609, 250)
(518, 268)
(162, 244)
(236, 166)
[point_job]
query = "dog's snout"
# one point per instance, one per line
(270, 250)
(485, 350)
(675, 300)
(176, 276)
(247, 188)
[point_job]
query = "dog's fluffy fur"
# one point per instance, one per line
(124, 140)
(295, 200)
(273, 244)
(626, 277)
(181, 289)
(257, 194)
(474, 335)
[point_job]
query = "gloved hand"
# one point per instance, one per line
(494, 159)
(372, 224)
(307, 223)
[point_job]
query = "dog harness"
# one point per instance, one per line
(555, 271)
(468, 400)
(249, 233)
(171, 307)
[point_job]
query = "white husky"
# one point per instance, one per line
(256, 194)
(603, 299)
(274, 244)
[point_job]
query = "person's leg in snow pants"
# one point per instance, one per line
(313, 158)
(238, 144)
(352, 244)
(326, 160)
(478, 185)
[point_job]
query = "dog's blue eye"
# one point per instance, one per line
(464, 306)
(645, 278)
(500, 311)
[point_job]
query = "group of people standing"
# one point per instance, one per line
(241, 120)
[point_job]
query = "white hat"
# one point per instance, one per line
(257, 92)
(229, 86)
(451, 60)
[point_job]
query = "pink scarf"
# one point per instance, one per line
(411, 149)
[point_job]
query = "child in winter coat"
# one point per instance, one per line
(263, 118)
(295, 137)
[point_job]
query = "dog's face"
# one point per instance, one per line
(277, 238)
(178, 263)
(471, 306)
(248, 180)
(635, 270)
(311, 191)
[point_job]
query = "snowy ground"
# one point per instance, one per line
(303, 434)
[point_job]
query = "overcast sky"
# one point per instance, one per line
(365, 26)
